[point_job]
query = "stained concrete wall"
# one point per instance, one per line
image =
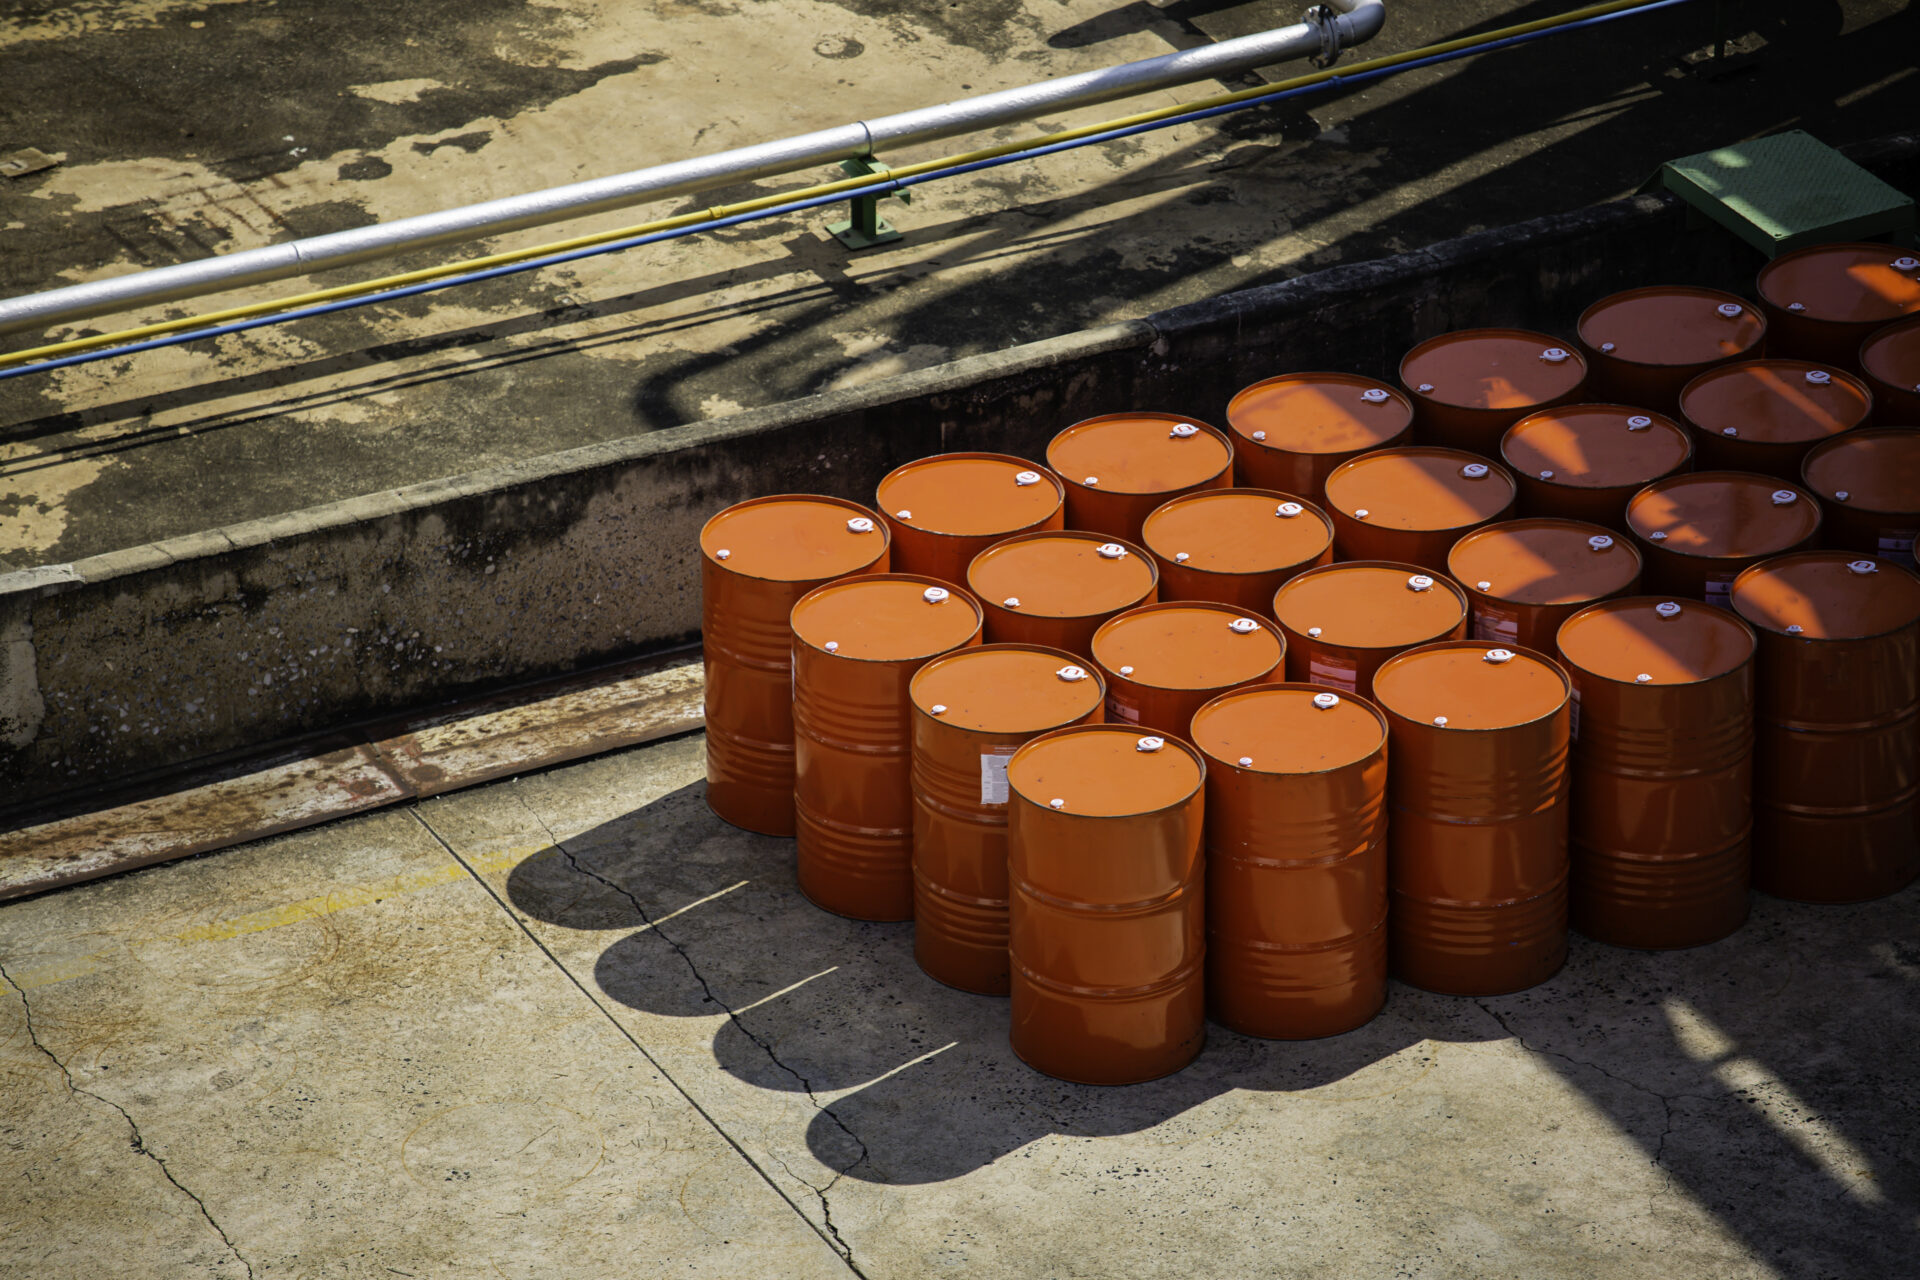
(144, 659)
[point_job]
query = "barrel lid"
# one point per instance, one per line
(970, 494)
(1237, 531)
(1007, 688)
(1464, 684)
(1892, 355)
(1776, 401)
(885, 617)
(1853, 283)
(1492, 369)
(1370, 604)
(1063, 574)
(1672, 325)
(1875, 470)
(1140, 453)
(1544, 561)
(1319, 413)
(1188, 645)
(794, 538)
(1420, 487)
(1288, 728)
(1735, 514)
(1666, 641)
(1595, 446)
(1105, 771)
(1828, 595)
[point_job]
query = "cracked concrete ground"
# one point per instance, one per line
(572, 1021)
(197, 126)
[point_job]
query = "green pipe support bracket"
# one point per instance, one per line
(867, 229)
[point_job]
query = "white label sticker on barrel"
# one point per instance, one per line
(1325, 669)
(1720, 592)
(1781, 497)
(1819, 377)
(1149, 744)
(993, 776)
(859, 524)
(1493, 624)
(1374, 395)
(1639, 422)
(934, 595)
(1120, 711)
(1243, 626)
(1071, 674)
(1600, 542)
(1025, 478)
(1326, 701)
(1111, 551)
(1182, 431)
(1288, 510)
(1419, 582)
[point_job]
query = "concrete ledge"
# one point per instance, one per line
(143, 659)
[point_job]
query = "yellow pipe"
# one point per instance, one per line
(717, 212)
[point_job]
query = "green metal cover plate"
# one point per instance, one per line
(1788, 190)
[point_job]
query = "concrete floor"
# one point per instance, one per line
(572, 1024)
(190, 127)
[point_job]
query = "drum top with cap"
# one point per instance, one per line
(1288, 729)
(1187, 646)
(1855, 283)
(1319, 413)
(1544, 561)
(1237, 531)
(1828, 595)
(1062, 575)
(794, 539)
(1492, 369)
(884, 619)
(1595, 446)
(1105, 771)
(1006, 689)
(1665, 641)
(1418, 488)
(1369, 606)
(969, 494)
(1672, 325)
(1877, 470)
(1723, 513)
(1465, 684)
(1139, 453)
(1775, 401)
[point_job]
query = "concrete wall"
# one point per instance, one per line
(144, 659)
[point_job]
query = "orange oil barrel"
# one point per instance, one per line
(1823, 302)
(1120, 466)
(1477, 841)
(1523, 578)
(945, 510)
(1662, 809)
(1764, 415)
(1644, 345)
(1108, 931)
(1838, 723)
(1343, 620)
(1414, 503)
(757, 559)
(1290, 432)
(1868, 483)
(1055, 589)
(856, 647)
(1296, 860)
(972, 710)
(1235, 546)
(1890, 362)
(1470, 386)
(1584, 461)
(1696, 532)
(1162, 662)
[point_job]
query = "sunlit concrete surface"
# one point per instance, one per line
(190, 127)
(573, 1024)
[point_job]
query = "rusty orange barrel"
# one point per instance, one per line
(1823, 302)
(1118, 467)
(1838, 722)
(1868, 483)
(972, 710)
(856, 647)
(1055, 589)
(1662, 771)
(757, 559)
(1296, 860)
(1584, 461)
(1696, 532)
(1343, 620)
(1523, 578)
(945, 510)
(1644, 345)
(1290, 432)
(1235, 546)
(1162, 662)
(1477, 841)
(1108, 929)
(1470, 386)
(1764, 415)
(1890, 362)
(1414, 503)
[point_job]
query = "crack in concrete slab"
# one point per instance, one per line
(139, 1142)
(831, 1237)
(840, 1243)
